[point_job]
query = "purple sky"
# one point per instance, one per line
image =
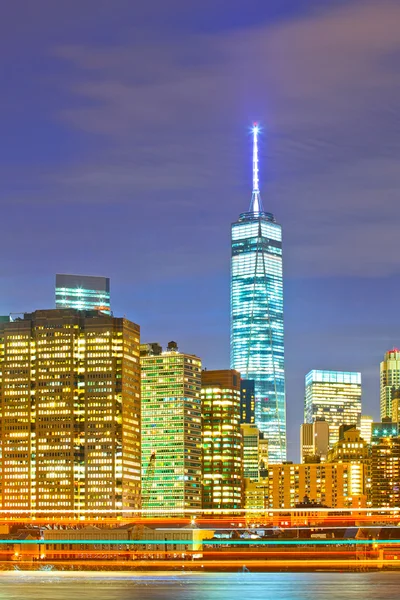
(126, 152)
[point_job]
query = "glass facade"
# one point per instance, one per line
(247, 401)
(255, 452)
(222, 440)
(257, 342)
(83, 292)
(171, 432)
(334, 396)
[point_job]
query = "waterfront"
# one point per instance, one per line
(19, 585)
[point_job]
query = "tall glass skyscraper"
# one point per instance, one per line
(257, 344)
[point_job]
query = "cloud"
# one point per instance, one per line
(164, 122)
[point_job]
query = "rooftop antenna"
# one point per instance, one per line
(256, 206)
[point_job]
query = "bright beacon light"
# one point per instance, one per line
(256, 206)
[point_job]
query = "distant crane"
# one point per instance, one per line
(148, 478)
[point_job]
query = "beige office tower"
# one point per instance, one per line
(314, 440)
(366, 428)
(255, 457)
(390, 380)
(171, 430)
(70, 412)
(255, 452)
(222, 440)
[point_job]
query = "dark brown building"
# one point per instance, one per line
(222, 440)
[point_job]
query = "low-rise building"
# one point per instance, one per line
(330, 484)
(128, 541)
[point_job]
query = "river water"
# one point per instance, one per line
(203, 586)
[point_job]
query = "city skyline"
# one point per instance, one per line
(156, 190)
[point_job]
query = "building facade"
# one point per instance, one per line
(385, 473)
(255, 452)
(333, 485)
(366, 428)
(314, 440)
(247, 401)
(257, 342)
(389, 380)
(70, 412)
(350, 448)
(222, 440)
(83, 292)
(334, 396)
(396, 406)
(171, 432)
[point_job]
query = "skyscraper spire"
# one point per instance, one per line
(255, 204)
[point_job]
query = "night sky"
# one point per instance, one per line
(126, 152)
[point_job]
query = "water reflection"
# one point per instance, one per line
(204, 586)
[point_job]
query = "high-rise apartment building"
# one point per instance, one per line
(255, 452)
(314, 440)
(247, 401)
(171, 431)
(333, 485)
(222, 440)
(396, 406)
(70, 412)
(257, 343)
(390, 380)
(83, 292)
(385, 473)
(334, 396)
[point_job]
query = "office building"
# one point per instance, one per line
(255, 452)
(222, 440)
(385, 473)
(334, 396)
(366, 428)
(83, 292)
(171, 432)
(247, 401)
(257, 343)
(390, 380)
(351, 448)
(333, 485)
(70, 406)
(314, 440)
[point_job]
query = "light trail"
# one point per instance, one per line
(219, 565)
(219, 542)
(194, 511)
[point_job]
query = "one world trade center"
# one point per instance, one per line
(257, 342)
